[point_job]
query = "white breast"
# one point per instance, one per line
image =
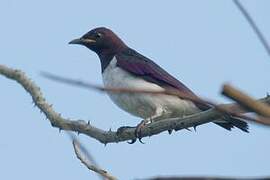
(142, 105)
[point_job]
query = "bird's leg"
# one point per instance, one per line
(143, 123)
(139, 127)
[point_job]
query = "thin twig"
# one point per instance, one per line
(246, 101)
(84, 157)
(177, 93)
(89, 86)
(253, 25)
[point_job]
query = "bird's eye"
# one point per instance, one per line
(98, 35)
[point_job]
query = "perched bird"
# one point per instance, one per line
(123, 67)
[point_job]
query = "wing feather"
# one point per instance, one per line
(139, 65)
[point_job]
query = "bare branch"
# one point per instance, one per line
(85, 158)
(55, 118)
(111, 136)
(253, 25)
(246, 101)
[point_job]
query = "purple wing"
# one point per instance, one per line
(139, 65)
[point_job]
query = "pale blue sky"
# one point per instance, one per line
(202, 43)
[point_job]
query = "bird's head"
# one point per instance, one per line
(101, 40)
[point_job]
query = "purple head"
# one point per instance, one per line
(101, 40)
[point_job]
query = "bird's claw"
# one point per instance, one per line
(195, 128)
(140, 139)
(138, 131)
(132, 141)
(138, 134)
(123, 128)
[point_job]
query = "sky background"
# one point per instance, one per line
(202, 43)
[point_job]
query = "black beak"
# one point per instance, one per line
(76, 41)
(82, 41)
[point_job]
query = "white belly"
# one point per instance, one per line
(143, 105)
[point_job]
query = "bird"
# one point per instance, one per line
(124, 67)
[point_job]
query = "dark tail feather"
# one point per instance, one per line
(231, 122)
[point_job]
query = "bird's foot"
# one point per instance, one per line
(138, 130)
(139, 127)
